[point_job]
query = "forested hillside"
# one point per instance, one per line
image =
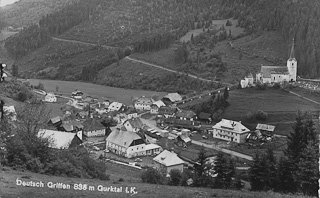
(298, 19)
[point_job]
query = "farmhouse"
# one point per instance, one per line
(134, 124)
(279, 74)
(265, 129)
(230, 131)
(92, 128)
(168, 160)
(143, 103)
(247, 82)
(205, 117)
(60, 140)
(156, 106)
(50, 97)
(56, 121)
(185, 115)
(166, 112)
(125, 143)
(153, 149)
(77, 94)
(131, 113)
(171, 98)
(115, 106)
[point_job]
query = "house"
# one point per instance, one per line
(206, 117)
(60, 140)
(279, 74)
(185, 115)
(77, 94)
(50, 97)
(171, 98)
(92, 128)
(134, 124)
(164, 133)
(183, 140)
(106, 103)
(115, 106)
(166, 112)
(131, 113)
(153, 149)
(248, 81)
(72, 126)
(156, 106)
(83, 114)
(168, 160)
(265, 129)
(11, 112)
(143, 103)
(56, 121)
(125, 143)
(230, 131)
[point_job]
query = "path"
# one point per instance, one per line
(174, 71)
(247, 157)
(303, 97)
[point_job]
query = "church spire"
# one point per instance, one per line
(292, 50)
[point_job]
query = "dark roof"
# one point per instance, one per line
(135, 123)
(92, 124)
(268, 70)
(185, 114)
(130, 110)
(166, 110)
(204, 116)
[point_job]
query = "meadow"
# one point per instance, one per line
(114, 94)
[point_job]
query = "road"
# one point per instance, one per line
(303, 97)
(240, 155)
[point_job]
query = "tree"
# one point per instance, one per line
(175, 177)
(192, 38)
(15, 70)
(200, 169)
(226, 93)
(224, 168)
(255, 173)
(152, 176)
(57, 88)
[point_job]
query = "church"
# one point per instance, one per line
(279, 74)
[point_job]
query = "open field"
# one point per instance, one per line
(115, 94)
(10, 189)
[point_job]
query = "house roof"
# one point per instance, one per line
(60, 140)
(159, 103)
(185, 138)
(115, 106)
(204, 116)
(173, 97)
(144, 100)
(185, 113)
(230, 125)
(55, 119)
(265, 127)
(152, 146)
(122, 138)
(130, 110)
(92, 124)
(249, 76)
(135, 123)
(9, 109)
(168, 158)
(67, 127)
(268, 70)
(167, 110)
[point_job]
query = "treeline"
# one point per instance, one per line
(295, 19)
(295, 172)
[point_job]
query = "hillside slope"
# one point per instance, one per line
(10, 179)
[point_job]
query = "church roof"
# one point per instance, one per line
(268, 70)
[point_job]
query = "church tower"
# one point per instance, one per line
(292, 65)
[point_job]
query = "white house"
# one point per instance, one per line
(11, 112)
(143, 103)
(248, 81)
(92, 128)
(279, 74)
(134, 124)
(115, 106)
(168, 160)
(153, 149)
(230, 131)
(60, 140)
(50, 97)
(125, 143)
(154, 108)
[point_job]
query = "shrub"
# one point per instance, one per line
(152, 176)
(250, 116)
(276, 86)
(175, 177)
(261, 86)
(121, 179)
(261, 115)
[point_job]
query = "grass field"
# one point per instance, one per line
(115, 94)
(10, 189)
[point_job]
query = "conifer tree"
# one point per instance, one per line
(224, 168)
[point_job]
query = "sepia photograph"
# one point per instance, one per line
(159, 98)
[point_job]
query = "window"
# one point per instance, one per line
(292, 64)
